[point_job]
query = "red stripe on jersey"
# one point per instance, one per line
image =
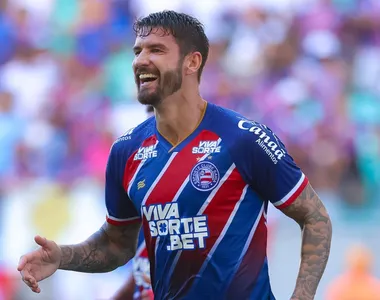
(177, 172)
(150, 248)
(295, 195)
(144, 253)
(218, 213)
(122, 222)
(251, 264)
(132, 165)
(170, 182)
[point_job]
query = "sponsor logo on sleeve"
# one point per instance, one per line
(126, 136)
(266, 139)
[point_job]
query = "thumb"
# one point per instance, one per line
(147, 279)
(43, 242)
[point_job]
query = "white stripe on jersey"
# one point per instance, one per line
(225, 228)
(292, 191)
(159, 177)
(122, 220)
(216, 189)
(202, 209)
(140, 249)
(253, 230)
(134, 177)
(186, 181)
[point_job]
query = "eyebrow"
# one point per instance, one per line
(150, 46)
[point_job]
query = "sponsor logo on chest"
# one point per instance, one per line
(146, 152)
(165, 220)
(205, 147)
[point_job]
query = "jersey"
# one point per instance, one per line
(140, 267)
(203, 203)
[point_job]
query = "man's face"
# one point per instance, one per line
(157, 67)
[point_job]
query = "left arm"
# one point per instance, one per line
(309, 212)
(126, 291)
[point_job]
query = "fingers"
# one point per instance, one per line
(40, 241)
(31, 282)
(25, 258)
(147, 295)
(22, 262)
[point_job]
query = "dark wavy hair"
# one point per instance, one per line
(186, 30)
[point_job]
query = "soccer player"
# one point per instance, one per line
(199, 178)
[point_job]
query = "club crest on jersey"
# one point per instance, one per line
(204, 176)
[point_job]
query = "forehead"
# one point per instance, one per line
(155, 36)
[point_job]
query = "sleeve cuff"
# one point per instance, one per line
(293, 194)
(120, 222)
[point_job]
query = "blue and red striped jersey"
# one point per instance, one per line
(203, 203)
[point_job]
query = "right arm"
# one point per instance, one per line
(115, 243)
(107, 249)
(110, 247)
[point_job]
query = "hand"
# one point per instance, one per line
(147, 295)
(39, 264)
(147, 279)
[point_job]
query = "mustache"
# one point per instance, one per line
(142, 70)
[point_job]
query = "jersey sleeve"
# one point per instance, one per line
(120, 209)
(267, 166)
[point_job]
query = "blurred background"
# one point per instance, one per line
(309, 69)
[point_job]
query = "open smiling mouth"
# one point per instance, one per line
(147, 78)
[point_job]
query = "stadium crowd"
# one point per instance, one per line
(310, 70)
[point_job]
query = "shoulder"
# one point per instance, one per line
(227, 121)
(221, 115)
(133, 137)
(124, 147)
(241, 132)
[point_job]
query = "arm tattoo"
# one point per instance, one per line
(104, 251)
(309, 212)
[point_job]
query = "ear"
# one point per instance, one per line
(193, 62)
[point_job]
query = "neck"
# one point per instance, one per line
(179, 115)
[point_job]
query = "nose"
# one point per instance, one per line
(141, 60)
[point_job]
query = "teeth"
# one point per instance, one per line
(144, 76)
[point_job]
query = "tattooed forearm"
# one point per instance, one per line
(98, 253)
(93, 255)
(315, 223)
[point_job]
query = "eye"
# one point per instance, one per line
(156, 50)
(137, 52)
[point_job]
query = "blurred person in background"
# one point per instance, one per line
(171, 50)
(11, 129)
(138, 286)
(357, 282)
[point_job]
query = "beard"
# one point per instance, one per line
(168, 83)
